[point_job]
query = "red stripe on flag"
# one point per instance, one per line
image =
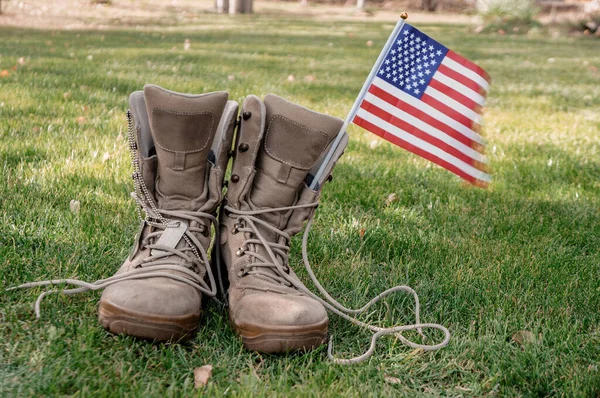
(409, 128)
(462, 79)
(445, 109)
(418, 151)
(455, 95)
(469, 65)
(398, 103)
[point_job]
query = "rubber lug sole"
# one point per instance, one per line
(161, 328)
(275, 341)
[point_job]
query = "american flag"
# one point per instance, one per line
(427, 99)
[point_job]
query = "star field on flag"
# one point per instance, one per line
(427, 99)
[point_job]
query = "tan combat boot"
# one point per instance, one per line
(179, 148)
(278, 148)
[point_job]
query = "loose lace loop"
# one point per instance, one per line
(161, 264)
(278, 251)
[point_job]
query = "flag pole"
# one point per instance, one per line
(390, 42)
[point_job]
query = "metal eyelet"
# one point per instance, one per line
(240, 252)
(203, 230)
(240, 273)
(236, 227)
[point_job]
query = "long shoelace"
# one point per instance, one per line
(248, 222)
(164, 261)
(159, 265)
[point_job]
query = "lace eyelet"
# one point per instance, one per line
(203, 230)
(240, 252)
(241, 272)
(236, 227)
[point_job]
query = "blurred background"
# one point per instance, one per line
(501, 16)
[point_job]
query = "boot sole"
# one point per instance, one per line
(283, 340)
(118, 320)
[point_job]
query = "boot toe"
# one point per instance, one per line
(156, 308)
(277, 323)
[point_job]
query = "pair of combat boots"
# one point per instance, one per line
(181, 145)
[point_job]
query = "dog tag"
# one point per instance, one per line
(170, 237)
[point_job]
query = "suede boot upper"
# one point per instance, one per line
(181, 144)
(278, 146)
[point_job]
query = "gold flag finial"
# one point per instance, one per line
(404, 15)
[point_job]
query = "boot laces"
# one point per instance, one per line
(277, 264)
(185, 264)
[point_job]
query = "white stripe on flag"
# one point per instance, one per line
(454, 104)
(421, 125)
(424, 145)
(442, 117)
(459, 87)
(452, 64)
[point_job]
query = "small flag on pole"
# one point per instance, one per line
(427, 99)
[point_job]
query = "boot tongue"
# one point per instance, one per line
(183, 127)
(294, 140)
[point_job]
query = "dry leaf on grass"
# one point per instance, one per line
(202, 375)
(391, 199)
(4, 73)
(391, 379)
(75, 206)
(523, 337)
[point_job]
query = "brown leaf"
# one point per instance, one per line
(80, 119)
(21, 61)
(391, 379)
(362, 232)
(523, 337)
(202, 375)
(4, 73)
(291, 78)
(391, 199)
(309, 78)
(75, 206)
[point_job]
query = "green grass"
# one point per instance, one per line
(523, 255)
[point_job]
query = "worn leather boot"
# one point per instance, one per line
(179, 144)
(279, 147)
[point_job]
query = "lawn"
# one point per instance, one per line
(523, 255)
